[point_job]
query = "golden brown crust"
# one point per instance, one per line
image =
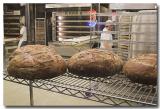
(36, 62)
(95, 63)
(142, 69)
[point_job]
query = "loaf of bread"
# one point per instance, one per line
(142, 69)
(36, 62)
(95, 63)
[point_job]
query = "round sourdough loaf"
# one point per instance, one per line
(36, 62)
(142, 69)
(95, 63)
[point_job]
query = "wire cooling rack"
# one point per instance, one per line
(116, 90)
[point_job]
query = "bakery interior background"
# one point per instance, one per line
(82, 54)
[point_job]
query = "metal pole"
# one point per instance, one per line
(27, 21)
(35, 24)
(88, 93)
(90, 28)
(31, 92)
(46, 28)
(158, 33)
(99, 34)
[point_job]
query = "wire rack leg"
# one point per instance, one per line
(31, 93)
(89, 91)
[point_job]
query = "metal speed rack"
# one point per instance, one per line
(40, 32)
(128, 41)
(116, 90)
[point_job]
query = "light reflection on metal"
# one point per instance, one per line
(60, 17)
(59, 24)
(59, 34)
(60, 29)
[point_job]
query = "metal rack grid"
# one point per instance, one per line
(113, 91)
(11, 25)
(40, 32)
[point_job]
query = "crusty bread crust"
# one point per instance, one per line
(142, 69)
(95, 63)
(36, 62)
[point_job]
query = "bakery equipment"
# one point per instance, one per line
(123, 33)
(12, 24)
(149, 39)
(40, 30)
(116, 90)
